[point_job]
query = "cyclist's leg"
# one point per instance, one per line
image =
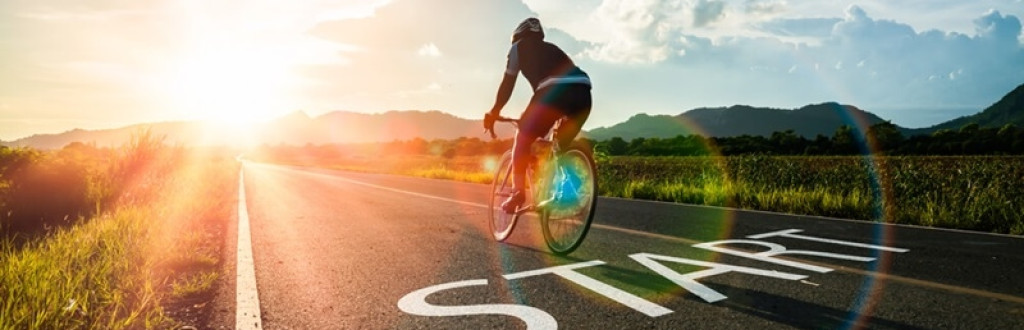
(534, 122)
(575, 102)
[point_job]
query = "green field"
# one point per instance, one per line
(982, 193)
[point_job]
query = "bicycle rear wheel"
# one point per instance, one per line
(501, 223)
(573, 185)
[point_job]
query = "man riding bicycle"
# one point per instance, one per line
(561, 90)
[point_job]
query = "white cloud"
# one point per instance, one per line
(636, 31)
(429, 50)
(996, 26)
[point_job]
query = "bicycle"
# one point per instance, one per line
(561, 189)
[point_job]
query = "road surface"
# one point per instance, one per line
(342, 250)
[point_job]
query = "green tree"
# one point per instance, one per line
(969, 129)
(844, 141)
(787, 143)
(636, 146)
(617, 146)
(886, 135)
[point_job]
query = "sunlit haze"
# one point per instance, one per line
(110, 63)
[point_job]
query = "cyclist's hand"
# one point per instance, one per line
(489, 123)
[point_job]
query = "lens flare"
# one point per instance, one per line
(882, 201)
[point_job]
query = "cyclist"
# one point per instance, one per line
(560, 88)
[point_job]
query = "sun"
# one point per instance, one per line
(229, 85)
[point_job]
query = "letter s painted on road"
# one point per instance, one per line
(415, 303)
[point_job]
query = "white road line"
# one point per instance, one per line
(247, 300)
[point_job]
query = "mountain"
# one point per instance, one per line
(176, 132)
(1008, 110)
(296, 128)
(808, 121)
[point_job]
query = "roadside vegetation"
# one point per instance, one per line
(101, 238)
(981, 193)
(967, 179)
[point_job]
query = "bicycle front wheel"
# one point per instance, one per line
(501, 223)
(573, 185)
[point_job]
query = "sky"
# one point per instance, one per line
(97, 64)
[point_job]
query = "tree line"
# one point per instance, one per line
(882, 138)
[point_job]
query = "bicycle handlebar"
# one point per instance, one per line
(503, 119)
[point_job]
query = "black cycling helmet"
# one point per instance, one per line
(529, 27)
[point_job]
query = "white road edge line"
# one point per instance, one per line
(247, 300)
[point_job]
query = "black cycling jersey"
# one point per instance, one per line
(543, 64)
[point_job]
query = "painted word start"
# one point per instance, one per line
(415, 302)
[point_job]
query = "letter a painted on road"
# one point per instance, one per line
(689, 280)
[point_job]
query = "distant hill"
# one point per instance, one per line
(296, 128)
(1008, 110)
(175, 132)
(808, 121)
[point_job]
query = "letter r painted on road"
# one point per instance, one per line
(569, 272)
(688, 280)
(416, 303)
(774, 250)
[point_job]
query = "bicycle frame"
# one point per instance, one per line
(548, 142)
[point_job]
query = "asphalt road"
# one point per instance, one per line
(340, 250)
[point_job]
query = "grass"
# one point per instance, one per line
(87, 276)
(153, 249)
(194, 284)
(450, 174)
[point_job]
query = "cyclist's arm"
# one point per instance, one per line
(508, 81)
